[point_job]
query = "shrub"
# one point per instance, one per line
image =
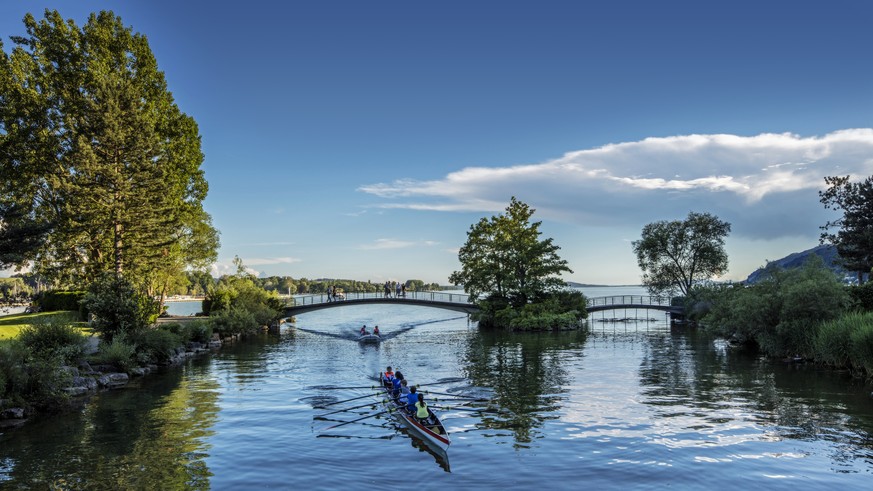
(234, 321)
(55, 300)
(155, 345)
(32, 380)
(181, 331)
(118, 306)
(861, 349)
(862, 296)
(833, 342)
(119, 352)
(199, 331)
(53, 339)
(782, 313)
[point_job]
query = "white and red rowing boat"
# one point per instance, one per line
(430, 431)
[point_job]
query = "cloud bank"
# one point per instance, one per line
(766, 185)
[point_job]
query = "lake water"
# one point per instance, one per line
(629, 405)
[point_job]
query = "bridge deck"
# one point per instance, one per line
(460, 302)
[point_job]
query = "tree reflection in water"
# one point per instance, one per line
(125, 439)
(526, 372)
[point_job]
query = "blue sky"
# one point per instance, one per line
(361, 139)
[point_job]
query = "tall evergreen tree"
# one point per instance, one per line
(94, 144)
(854, 234)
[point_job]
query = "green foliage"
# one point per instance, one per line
(21, 234)
(674, 255)
(854, 236)
(31, 379)
(241, 304)
(504, 258)
(199, 331)
(117, 306)
(234, 321)
(862, 295)
(118, 352)
(54, 300)
(154, 345)
(861, 351)
(54, 339)
(13, 290)
(98, 157)
(847, 342)
(560, 310)
(781, 314)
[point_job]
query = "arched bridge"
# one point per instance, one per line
(460, 302)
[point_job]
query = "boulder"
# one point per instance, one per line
(13, 413)
(113, 380)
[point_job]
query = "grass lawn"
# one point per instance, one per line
(10, 325)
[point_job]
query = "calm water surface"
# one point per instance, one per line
(628, 405)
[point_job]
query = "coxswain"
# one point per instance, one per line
(388, 378)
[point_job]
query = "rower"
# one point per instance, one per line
(421, 411)
(396, 383)
(411, 399)
(376, 330)
(404, 393)
(364, 330)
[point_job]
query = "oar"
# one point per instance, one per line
(347, 400)
(355, 420)
(450, 399)
(455, 408)
(448, 394)
(331, 387)
(346, 409)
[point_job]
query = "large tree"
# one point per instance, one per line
(505, 259)
(93, 146)
(854, 235)
(675, 254)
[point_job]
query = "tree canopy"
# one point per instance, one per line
(101, 169)
(854, 234)
(505, 259)
(676, 254)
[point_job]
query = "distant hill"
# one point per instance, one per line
(828, 254)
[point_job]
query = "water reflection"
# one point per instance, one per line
(122, 440)
(738, 397)
(527, 372)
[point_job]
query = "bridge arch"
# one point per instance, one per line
(460, 302)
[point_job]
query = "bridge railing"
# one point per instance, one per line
(629, 300)
(320, 298)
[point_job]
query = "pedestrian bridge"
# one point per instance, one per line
(460, 302)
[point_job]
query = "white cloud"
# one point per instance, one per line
(767, 185)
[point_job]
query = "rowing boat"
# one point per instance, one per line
(369, 338)
(431, 432)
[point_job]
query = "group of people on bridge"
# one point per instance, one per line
(398, 288)
(407, 397)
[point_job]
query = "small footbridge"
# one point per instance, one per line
(460, 302)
